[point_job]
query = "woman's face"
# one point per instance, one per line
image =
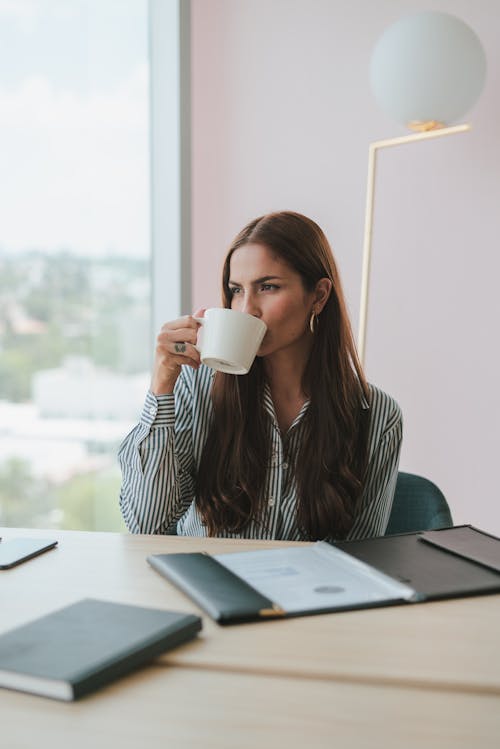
(264, 286)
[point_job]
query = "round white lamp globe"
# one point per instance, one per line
(427, 70)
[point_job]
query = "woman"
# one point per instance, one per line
(301, 447)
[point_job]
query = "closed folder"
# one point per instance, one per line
(321, 578)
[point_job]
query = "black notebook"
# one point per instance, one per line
(321, 578)
(76, 649)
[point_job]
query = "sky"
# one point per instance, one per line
(74, 126)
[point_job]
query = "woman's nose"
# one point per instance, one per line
(250, 306)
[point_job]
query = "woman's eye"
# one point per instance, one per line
(234, 290)
(268, 287)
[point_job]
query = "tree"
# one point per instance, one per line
(90, 502)
(24, 499)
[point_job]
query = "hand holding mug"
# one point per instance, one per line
(230, 341)
(175, 346)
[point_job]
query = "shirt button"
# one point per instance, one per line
(285, 466)
(270, 501)
(152, 411)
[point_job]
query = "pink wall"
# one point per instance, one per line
(282, 118)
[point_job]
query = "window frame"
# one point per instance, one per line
(170, 160)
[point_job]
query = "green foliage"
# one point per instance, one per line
(22, 356)
(24, 501)
(106, 345)
(15, 374)
(84, 502)
(54, 305)
(90, 502)
(80, 304)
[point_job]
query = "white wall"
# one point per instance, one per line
(282, 116)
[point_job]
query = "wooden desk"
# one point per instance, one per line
(391, 677)
(180, 708)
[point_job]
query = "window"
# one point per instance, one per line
(74, 255)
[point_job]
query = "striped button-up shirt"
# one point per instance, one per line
(161, 455)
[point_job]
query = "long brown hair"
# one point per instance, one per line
(333, 453)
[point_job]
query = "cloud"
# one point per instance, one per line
(75, 166)
(22, 10)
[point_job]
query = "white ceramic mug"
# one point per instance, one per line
(230, 339)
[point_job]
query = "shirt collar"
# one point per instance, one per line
(269, 408)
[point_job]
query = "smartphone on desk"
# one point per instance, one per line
(17, 550)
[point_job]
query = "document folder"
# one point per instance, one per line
(321, 578)
(219, 592)
(285, 581)
(432, 571)
(467, 542)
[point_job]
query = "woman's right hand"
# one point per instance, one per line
(175, 346)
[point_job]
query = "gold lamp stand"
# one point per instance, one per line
(424, 134)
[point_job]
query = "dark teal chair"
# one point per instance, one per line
(419, 505)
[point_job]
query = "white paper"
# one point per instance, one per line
(306, 578)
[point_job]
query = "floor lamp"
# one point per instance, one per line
(426, 70)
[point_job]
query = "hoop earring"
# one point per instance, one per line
(313, 322)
